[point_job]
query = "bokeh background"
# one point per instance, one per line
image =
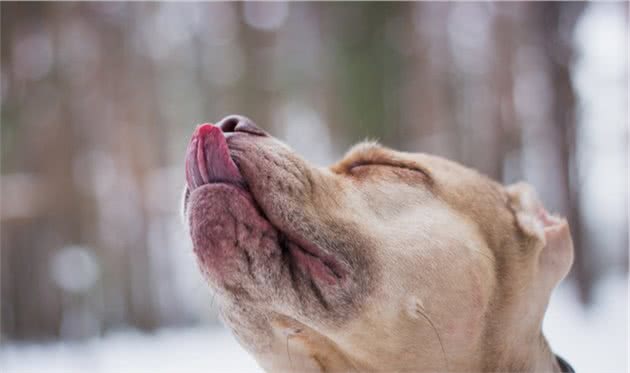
(99, 100)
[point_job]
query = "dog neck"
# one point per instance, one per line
(542, 360)
(530, 354)
(299, 348)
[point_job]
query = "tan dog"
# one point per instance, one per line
(386, 261)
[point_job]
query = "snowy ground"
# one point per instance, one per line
(206, 350)
(593, 340)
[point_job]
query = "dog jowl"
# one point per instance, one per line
(384, 261)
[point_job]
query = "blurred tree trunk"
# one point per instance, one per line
(508, 131)
(364, 65)
(256, 88)
(557, 22)
(34, 308)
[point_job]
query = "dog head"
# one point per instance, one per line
(384, 261)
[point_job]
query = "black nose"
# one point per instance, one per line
(239, 123)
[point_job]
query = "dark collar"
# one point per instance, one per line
(564, 366)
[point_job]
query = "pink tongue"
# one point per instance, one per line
(208, 158)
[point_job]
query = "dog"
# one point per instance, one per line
(383, 262)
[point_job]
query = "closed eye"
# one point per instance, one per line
(360, 164)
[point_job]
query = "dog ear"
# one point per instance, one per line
(550, 234)
(525, 205)
(557, 256)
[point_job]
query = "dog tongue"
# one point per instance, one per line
(208, 159)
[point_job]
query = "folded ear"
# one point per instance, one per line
(557, 256)
(525, 205)
(549, 235)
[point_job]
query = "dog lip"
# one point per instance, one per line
(320, 263)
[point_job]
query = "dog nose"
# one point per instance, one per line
(239, 123)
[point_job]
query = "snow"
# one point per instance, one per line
(204, 349)
(592, 340)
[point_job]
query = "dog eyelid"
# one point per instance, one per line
(421, 170)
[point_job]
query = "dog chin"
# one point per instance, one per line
(244, 256)
(237, 248)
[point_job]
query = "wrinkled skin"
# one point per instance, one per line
(385, 261)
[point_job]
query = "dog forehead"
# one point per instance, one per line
(475, 197)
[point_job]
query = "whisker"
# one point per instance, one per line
(212, 298)
(485, 255)
(352, 363)
(422, 312)
(289, 353)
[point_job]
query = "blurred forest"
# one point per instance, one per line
(99, 101)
